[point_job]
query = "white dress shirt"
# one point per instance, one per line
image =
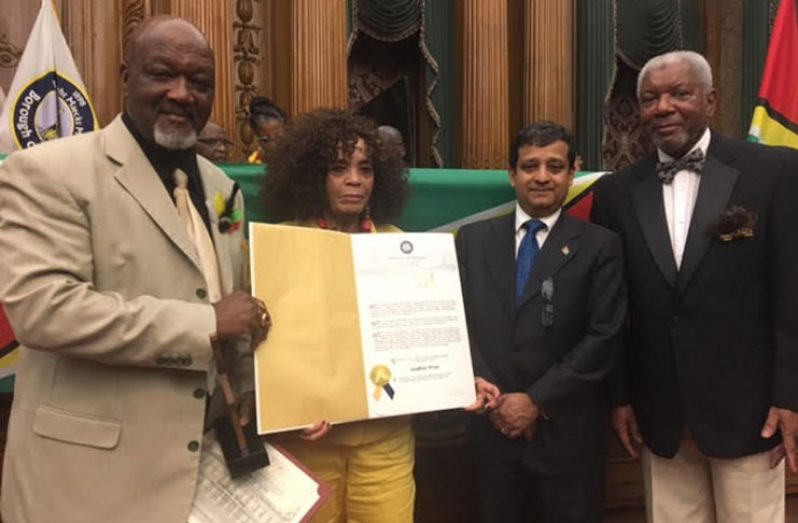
(679, 198)
(522, 217)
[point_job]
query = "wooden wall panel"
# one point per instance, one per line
(93, 29)
(308, 57)
(485, 99)
(516, 59)
(549, 69)
(318, 48)
(282, 72)
(266, 39)
(15, 25)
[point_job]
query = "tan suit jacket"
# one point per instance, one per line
(103, 288)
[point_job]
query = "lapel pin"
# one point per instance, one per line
(565, 250)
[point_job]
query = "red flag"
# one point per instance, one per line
(775, 120)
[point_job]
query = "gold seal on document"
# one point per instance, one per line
(380, 376)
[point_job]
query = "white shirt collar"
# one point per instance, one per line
(702, 143)
(521, 217)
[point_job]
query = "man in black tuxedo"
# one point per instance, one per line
(710, 369)
(545, 301)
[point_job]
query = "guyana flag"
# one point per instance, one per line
(441, 200)
(577, 204)
(775, 119)
(8, 344)
(8, 354)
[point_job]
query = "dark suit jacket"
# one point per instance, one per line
(713, 345)
(562, 367)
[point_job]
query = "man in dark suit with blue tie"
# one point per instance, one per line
(545, 301)
(709, 377)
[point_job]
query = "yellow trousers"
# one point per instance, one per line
(372, 481)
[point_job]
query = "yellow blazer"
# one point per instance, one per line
(103, 288)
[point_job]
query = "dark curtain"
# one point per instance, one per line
(647, 28)
(441, 80)
(624, 142)
(389, 20)
(596, 61)
(430, 23)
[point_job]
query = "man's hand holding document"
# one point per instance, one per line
(364, 326)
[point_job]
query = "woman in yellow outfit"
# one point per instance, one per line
(330, 170)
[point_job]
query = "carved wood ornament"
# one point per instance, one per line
(9, 54)
(133, 12)
(246, 55)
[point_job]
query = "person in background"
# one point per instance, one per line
(213, 143)
(114, 277)
(392, 136)
(266, 119)
(330, 170)
(708, 381)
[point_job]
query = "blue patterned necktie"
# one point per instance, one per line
(527, 252)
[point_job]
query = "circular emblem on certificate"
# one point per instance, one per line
(48, 107)
(380, 376)
(406, 247)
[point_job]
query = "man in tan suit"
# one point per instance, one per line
(113, 296)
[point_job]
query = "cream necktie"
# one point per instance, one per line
(201, 239)
(199, 236)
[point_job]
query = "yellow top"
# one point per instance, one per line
(358, 432)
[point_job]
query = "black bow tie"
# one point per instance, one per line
(693, 161)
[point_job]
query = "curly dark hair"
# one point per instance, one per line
(300, 158)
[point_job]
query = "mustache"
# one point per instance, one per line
(177, 110)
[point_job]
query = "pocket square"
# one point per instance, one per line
(735, 223)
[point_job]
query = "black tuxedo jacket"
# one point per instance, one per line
(562, 367)
(713, 345)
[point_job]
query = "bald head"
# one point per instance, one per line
(154, 26)
(212, 143)
(168, 79)
(392, 137)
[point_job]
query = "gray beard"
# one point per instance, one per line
(174, 139)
